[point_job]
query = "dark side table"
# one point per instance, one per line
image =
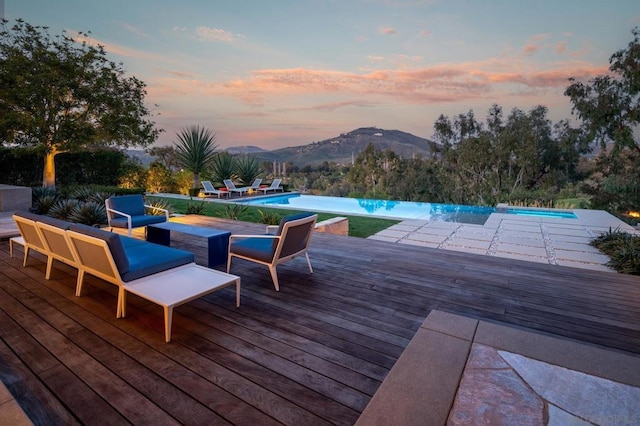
(218, 240)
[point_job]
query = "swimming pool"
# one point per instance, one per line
(401, 210)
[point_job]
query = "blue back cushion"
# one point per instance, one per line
(44, 219)
(129, 204)
(113, 241)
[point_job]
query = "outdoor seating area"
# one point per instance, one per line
(148, 270)
(317, 351)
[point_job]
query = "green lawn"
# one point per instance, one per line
(359, 226)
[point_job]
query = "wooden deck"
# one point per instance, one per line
(313, 353)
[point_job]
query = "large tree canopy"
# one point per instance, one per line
(609, 105)
(63, 94)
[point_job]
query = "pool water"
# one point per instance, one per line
(401, 210)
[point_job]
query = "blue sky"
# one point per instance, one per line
(276, 73)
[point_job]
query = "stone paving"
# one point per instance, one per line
(536, 239)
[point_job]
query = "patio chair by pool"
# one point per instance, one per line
(290, 240)
(130, 211)
(232, 188)
(275, 186)
(209, 190)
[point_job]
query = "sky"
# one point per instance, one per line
(279, 73)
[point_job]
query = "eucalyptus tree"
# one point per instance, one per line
(609, 108)
(196, 150)
(609, 105)
(62, 93)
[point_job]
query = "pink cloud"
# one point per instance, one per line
(530, 49)
(211, 34)
(387, 31)
(560, 47)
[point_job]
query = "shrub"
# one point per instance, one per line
(234, 211)
(196, 207)
(269, 218)
(62, 209)
(623, 249)
(89, 213)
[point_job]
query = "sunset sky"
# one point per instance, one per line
(276, 73)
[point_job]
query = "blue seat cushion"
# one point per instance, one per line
(137, 221)
(130, 204)
(113, 241)
(255, 248)
(149, 258)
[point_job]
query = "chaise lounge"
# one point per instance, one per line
(209, 190)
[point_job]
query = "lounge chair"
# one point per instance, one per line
(275, 186)
(130, 211)
(209, 190)
(232, 188)
(290, 240)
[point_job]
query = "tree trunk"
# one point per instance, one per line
(49, 173)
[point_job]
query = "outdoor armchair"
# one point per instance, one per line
(291, 240)
(130, 211)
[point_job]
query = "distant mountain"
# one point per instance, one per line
(246, 149)
(341, 149)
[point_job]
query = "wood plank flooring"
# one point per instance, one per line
(313, 353)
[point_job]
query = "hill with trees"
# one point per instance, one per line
(344, 148)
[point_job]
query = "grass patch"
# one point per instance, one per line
(359, 226)
(623, 249)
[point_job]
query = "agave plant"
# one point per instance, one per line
(159, 204)
(89, 213)
(82, 194)
(196, 207)
(195, 150)
(223, 167)
(247, 168)
(234, 211)
(62, 209)
(269, 218)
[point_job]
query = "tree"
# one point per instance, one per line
(609, 105)
(196, 149)
(60, 94)
(167, 156)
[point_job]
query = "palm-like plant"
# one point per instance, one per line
(196, 149)
(223, 167)
(247, 168)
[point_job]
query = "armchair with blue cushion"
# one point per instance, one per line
(291, 239)
(130, 211)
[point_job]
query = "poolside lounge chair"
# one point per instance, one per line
(231, 187)
(209, 190)
(290, 240)
(275, 186)
(129, 211)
